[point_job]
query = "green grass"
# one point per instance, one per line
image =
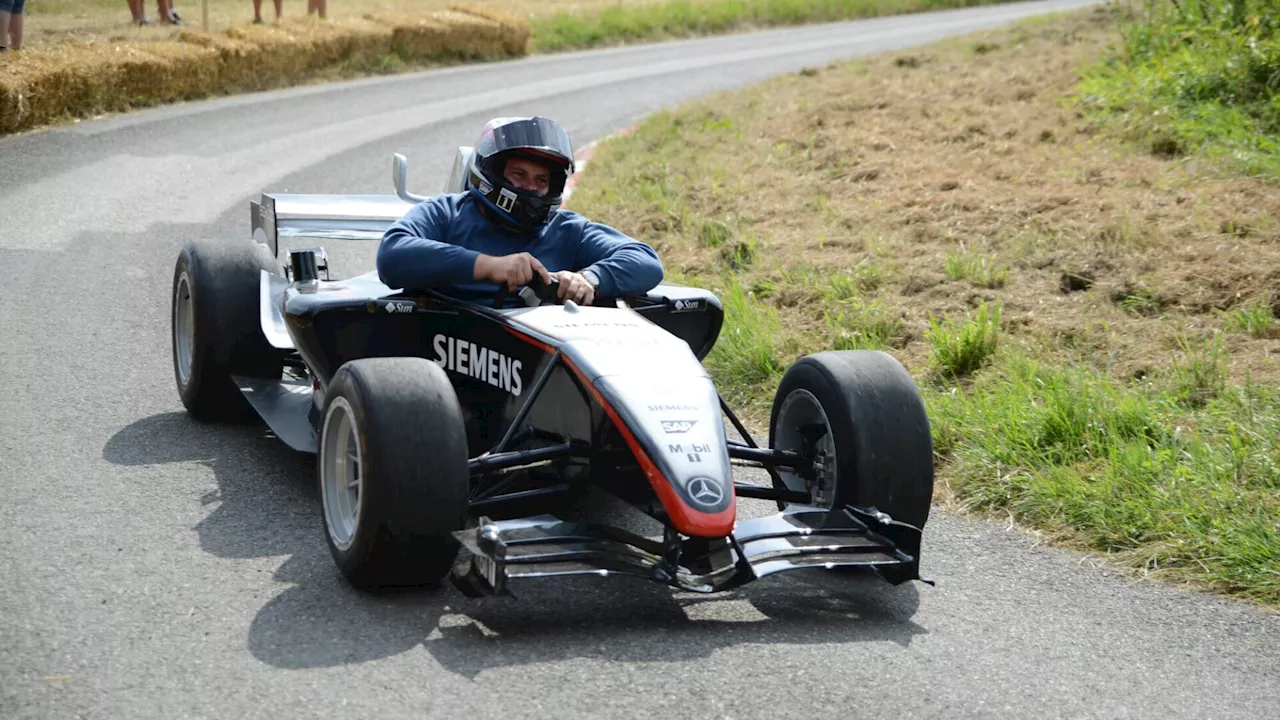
(680, 18)
(977, 269)
(961, 347)
(1124, 469)
(751, 348)
(1196, 76)
(1256, 318)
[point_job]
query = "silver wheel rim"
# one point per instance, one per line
(800, 408)
(184, 328)
(341, 473)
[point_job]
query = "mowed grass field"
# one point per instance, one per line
(1093, 324)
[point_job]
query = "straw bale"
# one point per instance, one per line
(515, 31)
(43, 85)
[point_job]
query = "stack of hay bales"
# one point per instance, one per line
(77, 80)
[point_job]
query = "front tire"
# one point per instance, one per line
(394, 472)
(862, 413)
(216, 326)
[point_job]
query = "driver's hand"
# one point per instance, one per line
(575, 287)
(510, 270)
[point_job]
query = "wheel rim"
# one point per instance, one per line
(341, 473)
(800, 408)
(184, 322)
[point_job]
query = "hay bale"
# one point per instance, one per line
(43, 85)
(516, 32)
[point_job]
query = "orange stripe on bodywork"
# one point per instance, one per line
(685, 519)
(532, 341)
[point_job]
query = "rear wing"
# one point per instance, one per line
(342, 217)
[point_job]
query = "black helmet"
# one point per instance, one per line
(535, 138)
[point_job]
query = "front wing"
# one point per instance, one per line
(796, 538)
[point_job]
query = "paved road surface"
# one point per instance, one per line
(150, 567)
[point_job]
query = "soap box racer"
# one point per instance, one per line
(441, 426)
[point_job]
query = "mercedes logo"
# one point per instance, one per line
(705, 491)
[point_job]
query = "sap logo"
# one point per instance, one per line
(467, 358)
(672, 408)
(687, 305)
(400, 307)
(676, 427)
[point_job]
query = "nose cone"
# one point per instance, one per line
(677, 435)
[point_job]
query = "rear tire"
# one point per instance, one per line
(216, 327)
(873, 425)
(394, 472)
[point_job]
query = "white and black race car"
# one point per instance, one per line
(441, 425)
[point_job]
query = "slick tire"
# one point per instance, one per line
(216, 328)
(393, 471)
(872, 419)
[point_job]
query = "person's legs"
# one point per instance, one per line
(6, 7)
(257, 12)
(15, 31)
(278, 10)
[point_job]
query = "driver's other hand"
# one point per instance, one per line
(575, 287)
(510, 270)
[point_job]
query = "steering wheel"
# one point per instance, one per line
(533, 294)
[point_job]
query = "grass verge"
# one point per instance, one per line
(1092, 327)
(618, 23)
(1196, 76)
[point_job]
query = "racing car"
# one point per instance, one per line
(449, 435)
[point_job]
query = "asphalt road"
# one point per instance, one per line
(153, 567)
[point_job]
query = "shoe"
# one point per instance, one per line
(257, 21)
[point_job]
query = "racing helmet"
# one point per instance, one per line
(535, 138)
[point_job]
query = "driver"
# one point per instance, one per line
(507, 227)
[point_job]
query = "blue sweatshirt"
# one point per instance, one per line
(436, 243)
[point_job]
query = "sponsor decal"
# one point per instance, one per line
(468, 358)
(595, 324)
(626, 342)
(705, 491)
(677, 427)
(485, 187)
(690, 305)
(506, 199)
(672, 408)
(400, 306)
(693, 453)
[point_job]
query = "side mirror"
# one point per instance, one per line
(400, 178)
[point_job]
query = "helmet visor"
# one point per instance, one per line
(537, 135)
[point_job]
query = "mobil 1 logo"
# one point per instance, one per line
(693, 452)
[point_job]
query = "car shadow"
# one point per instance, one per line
(264, 504)
(324, 623)
(267, 505)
